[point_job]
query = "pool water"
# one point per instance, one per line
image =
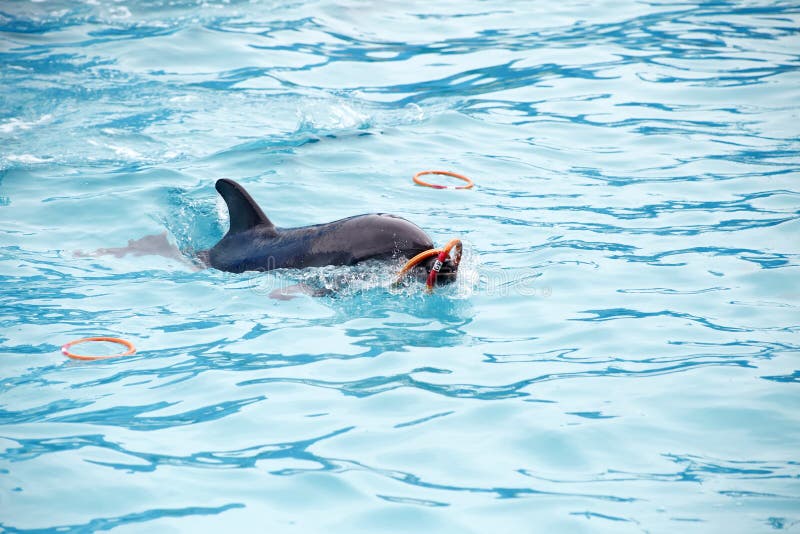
(619, 354)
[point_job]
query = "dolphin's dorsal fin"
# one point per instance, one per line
(243, 211)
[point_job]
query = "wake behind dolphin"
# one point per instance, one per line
(254, 243)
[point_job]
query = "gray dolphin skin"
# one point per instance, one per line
(253, 243)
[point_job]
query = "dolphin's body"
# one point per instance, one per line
(253, 243)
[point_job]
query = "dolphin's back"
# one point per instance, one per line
(257, 245)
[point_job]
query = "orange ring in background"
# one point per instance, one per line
(443, 173)
(123, 342)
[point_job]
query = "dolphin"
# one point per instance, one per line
(254, 243)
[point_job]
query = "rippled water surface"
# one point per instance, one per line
(621, 353)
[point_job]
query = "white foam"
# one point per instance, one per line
(184, 98)
(324, 115)
(125, 152)
(18, 124)
(27, 158)
(119, 12)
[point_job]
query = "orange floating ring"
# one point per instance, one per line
(413, 262)
(443, 173)
(127, 344)
(437, 265)
(441, 254)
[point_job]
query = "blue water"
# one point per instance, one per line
(620, 354)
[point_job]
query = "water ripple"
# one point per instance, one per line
(107, 523)
(620, 349)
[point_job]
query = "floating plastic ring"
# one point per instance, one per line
(437, 265)
(127, 344)
(441, 254)
(413, 262)
(418, 181)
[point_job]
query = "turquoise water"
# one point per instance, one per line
(620, 354)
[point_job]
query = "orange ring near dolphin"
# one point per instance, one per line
(413, 262)
(443, 173)
(441, 254)
(437, 265)
(127, 344)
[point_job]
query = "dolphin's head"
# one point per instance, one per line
(447, 274)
